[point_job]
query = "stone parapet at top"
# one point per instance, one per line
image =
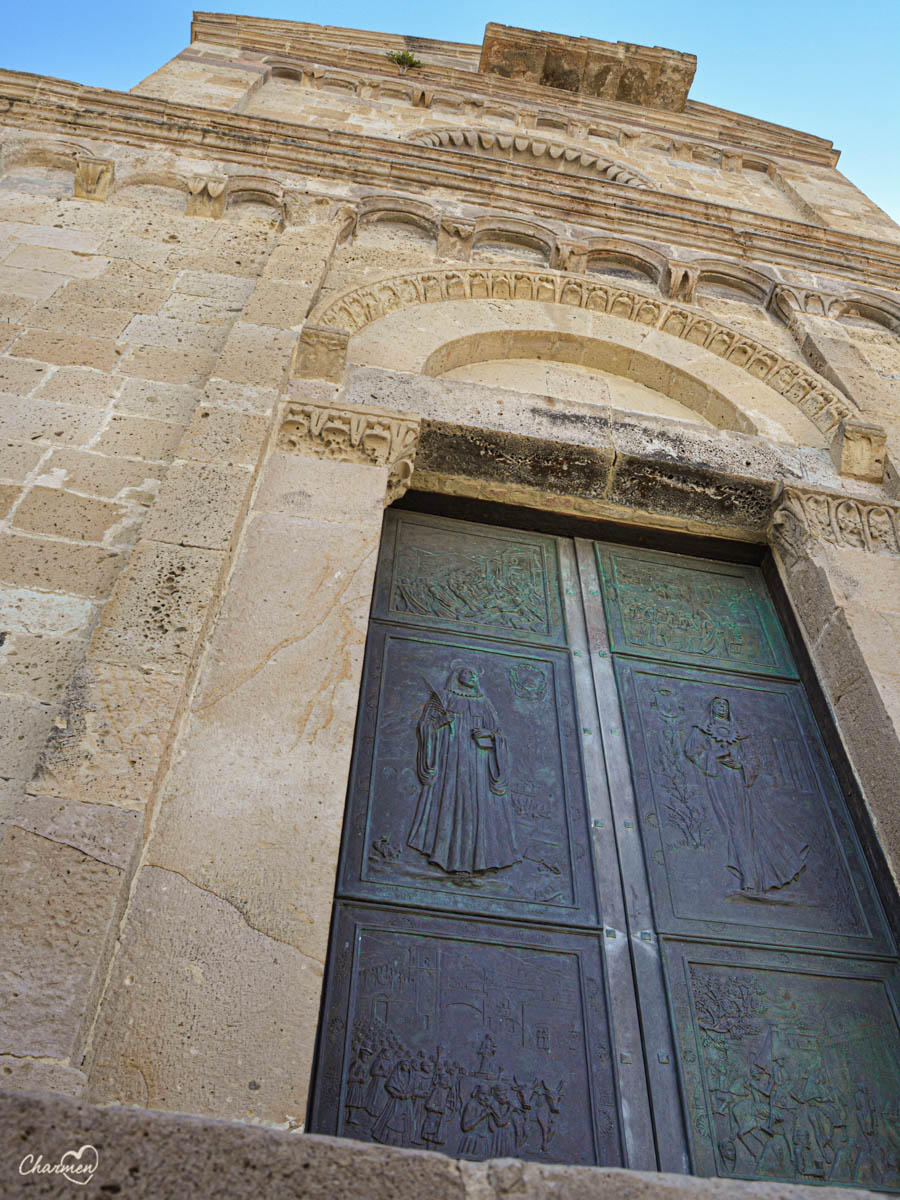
(649, 76)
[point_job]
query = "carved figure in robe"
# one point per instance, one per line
(503, 1132)
(395, 1125)
(474, 1121)
(358, 1085)
(763, 851)
(439, 1104)
(378, 1073)
(464, 821)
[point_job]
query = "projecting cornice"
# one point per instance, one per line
(42, 104)
(452, 66)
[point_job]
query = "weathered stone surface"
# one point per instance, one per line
(68, 515)
(37, 1075)
(266, 839)
(24, 724)
(50, 982)
(138, 437)
(107, 741)
(110, 835)
(152, 1154)
(38, 665)
(159, 607)
(200, 504)
(295, 486)
(198, 1051)
(56, 566)
(219, 436)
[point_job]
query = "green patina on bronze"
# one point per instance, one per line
(471, 1004)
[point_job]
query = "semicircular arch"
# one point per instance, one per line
(351, 310)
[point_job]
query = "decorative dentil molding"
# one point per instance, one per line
(358, 306)
(351, 433)
(803, 517)
(93, 178)
(538, 151)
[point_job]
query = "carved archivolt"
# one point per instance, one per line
(357, 307)
(803, 517)
(537, 151)
(350, 433)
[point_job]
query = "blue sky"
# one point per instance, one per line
(824, 66)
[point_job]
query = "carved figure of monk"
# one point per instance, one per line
(464, 821)
(763, 851)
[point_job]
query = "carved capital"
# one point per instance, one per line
(93, 178)
(803, 518)
(206, 196)
(321, 353)
(351, 433)
(859, 450)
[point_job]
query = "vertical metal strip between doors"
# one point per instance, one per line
(642, 941)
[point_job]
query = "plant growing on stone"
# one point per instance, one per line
(404, 59)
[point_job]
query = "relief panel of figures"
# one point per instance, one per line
(473, 578)
(679, 609)
(467, 791)
(745, 832)
(475, 1039)
(791, 1065)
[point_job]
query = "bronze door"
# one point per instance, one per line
(600, 899)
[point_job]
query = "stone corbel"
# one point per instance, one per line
(681, 282)
(802, 518)
(731, 161)
(311, 77)
(859, 450)
(321, 353)
(570, 256)
(455, 239)
(206, 196)
(93, 178)
(352, 433)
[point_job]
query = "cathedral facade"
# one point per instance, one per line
(450, 580)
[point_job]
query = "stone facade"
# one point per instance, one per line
(258, 298)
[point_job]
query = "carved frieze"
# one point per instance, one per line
(93, 178)
(355, 308)
(353, 434)
(803, 517)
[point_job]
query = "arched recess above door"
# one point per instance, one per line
(720, 356)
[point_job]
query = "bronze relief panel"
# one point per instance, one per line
(746, 835)
(467, 791)
(689, 610)
(474, 578)
(790, 1065)
(476, 1039)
